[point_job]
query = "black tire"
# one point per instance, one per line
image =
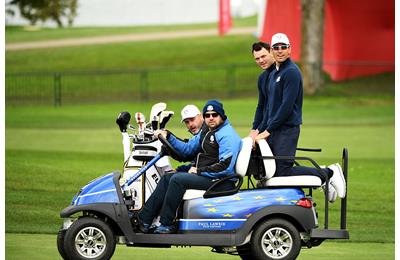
(275, 239)
(60, 243)
(89, 238)
(244, 251)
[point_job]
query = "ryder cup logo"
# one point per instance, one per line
(212, 139)
(210, 108)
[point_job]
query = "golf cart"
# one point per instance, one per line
(272, 219)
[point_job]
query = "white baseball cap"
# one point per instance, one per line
(279, 38)
(189, 111)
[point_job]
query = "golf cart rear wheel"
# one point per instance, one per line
(89, 238)
(275, 239)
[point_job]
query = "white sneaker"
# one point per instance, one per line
(332, 194)
(337, 180)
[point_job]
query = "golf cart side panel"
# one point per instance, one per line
(232, 211)
(215, 236)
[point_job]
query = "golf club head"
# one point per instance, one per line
(165, 116)
(156, 109)
(140, 118)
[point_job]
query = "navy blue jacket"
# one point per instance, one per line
(216, 150)
(261, 114)
(285, 96)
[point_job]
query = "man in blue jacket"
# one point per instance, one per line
(265, 60)
(284, 88)
(216, 149)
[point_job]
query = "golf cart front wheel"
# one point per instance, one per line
(244, 251)
(275, 239)
(89, 238)
(60, 243)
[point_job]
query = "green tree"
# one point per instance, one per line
(42, 10)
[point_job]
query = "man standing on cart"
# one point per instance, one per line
(281, 124)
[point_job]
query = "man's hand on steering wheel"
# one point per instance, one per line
(167, 148)
(162, 132)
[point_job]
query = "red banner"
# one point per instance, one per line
(358, 35)
(225, 19)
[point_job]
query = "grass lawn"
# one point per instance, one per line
(19, 246)
(51, 152)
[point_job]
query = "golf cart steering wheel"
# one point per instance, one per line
(173, 152)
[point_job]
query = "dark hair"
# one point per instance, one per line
(257, 46)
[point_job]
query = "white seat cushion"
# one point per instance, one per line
(193, 194)
(291, 181)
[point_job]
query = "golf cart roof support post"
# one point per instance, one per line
(343, 209)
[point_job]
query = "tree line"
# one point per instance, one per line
(42, 10)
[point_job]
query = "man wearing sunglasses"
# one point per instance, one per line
(284, 88)
(215, 149)
(265, 60)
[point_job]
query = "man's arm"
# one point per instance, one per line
(186, 149)
(258, 115)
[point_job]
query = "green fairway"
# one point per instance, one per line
(51, 152)
(19, 246)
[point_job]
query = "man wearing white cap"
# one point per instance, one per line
(194, 122)
(192, 118)
(282, 129)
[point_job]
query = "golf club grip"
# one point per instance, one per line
(163, 123)
(154, 125)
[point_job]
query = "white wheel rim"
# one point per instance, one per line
(277, 243)
(90, 242)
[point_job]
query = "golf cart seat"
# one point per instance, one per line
(308, 181)
(242, 163)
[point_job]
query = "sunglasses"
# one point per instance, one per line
(282, 47)
(214, 115)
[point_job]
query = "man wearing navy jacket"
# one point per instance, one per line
(284, 88)
(265, 60)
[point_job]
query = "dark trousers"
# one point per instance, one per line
(283, 142)
(169, 192)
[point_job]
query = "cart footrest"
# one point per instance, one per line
(330, 234)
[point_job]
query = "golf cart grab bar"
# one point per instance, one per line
(309, 149)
